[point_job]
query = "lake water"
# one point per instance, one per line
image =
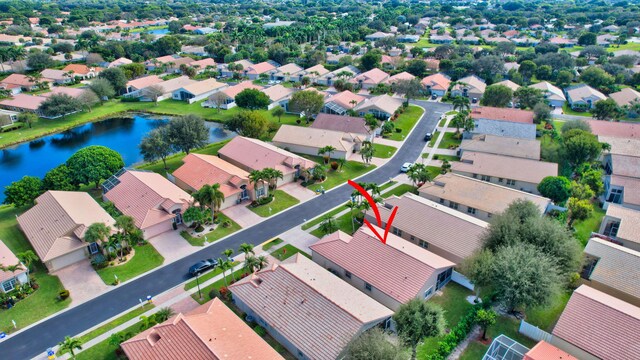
(123, 135)
(164, 31)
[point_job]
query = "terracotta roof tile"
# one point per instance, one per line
(349, 124)
(256, 155)
(198, 170)
(503, 114)
(437, 81)
(545, 351)
(501, 145)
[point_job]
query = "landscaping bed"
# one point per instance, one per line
(350, 170)
(281, 201)
(145, 259)
(218, 233)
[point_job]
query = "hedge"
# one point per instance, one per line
(456, 335)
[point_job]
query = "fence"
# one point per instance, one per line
(534, 332)
(462, 280)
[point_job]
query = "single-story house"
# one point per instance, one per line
(408, 38)
(501, 145)
(429, 225)
(471, 86)
(57, 76)
(625, 97)
(198, 90)
(202, 65)
(347, 124)
(288, 72)
(612, 269)
(342, 102)
(119, 62)
(155, 203)
(10, 280)
(370, 79)
(11, 116)
(626, 130)
(315, 72)
(210, 331)
(403, 76)
(307, 309)
(253, 72)
(622, 225)
(135, 86)
(583, 97)
(381, 106)
(441, 39)
(377, 36)
(621, 190)
(278, 96)
(23, 103)
(193, 50)
(391, 273)
(437, 84)
(170, 62)
(554, 95)
(507, 122)
(224, 68)
(595, 325)
(82, 71)
(477, 198)
(344, 73)
(20, 82)
(199, 170)
(252, 154)
(516, 173)
(226, 98)
(510, 84)
(308, 140)
(563, 42)
(56, 226)
(167, 88)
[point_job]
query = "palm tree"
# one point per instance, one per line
(326, 152)
(328, 225)
(255, 177)
(373, 187)
(251, 263)
(147, 322)
(246, 249)
(459, 120)
(272, 176)
(126, 224)
(352, 206)
(116, 339)
(97, 233)
(70, 344)
(13, 268)
(164, 314)
(112, 243)
(27, 258)
(224, 265)
(341, 162)
(262, 262)
(367, 151)
(212, 196)
(461, 103)
(227, 253)
(418, 173)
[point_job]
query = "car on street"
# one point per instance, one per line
(405, 167)
(428, 137)
(202, 266)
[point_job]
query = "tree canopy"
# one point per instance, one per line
(23, 192)
(248, 123)
(187, 132)
(93, 164)
(252, 99)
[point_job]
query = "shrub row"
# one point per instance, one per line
(456, 335)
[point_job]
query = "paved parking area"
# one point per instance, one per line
(243, 216)
(82, 281)
(172, 246)
(297, 191)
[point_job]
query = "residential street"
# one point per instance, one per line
(37, 339)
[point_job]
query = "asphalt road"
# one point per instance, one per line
(37, 339)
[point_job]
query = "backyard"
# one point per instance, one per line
(583, 229)
(218, 233)
(406, 121)
(146, 258)
(175, 161)
(281, 201)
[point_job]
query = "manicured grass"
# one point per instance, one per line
(584, 228)
(104, 350)
(281, 201)
(474, 351)
(288, 251)
(545, 317)
(442, 122)
(175, 161)
(344, 223)
(271, 244)
(318, 220)
(434, 171)
(204, 277)
(449, 140)
(406, 121)
(10, 234)
(387, 185)
(567, 110)
(216, 285)
(350, 170)
(218, 233)
(145, 259)
(451, 112)
(449, 158)
(504, 325)
(384, 151)
(399, 190)
(434, 138)
(40, 304)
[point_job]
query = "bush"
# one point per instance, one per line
(398, 130)
(14, 126)
(260, 330)
(214, 293)
(334, 165)
(129, 99)
(63, 295)
(226, 224)
(199, 228)
(456, 335)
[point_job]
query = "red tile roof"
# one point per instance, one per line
(24, 101)
(399, 269)
(615, 129)
(600, 324)
(17, 79)
(211, 331)
(437, 81)
(349, 124)
(545, 351)
(503, 114)
(199, 170)
(260, 68)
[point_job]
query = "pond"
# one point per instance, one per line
(123, 135)
(164, 31)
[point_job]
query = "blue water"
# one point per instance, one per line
(158, 32)
(123, 135)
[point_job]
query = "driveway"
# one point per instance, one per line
(172, 246)
(299, 238)
(242, 215)
(297, 191)
(82, 282)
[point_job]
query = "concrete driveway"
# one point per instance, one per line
(172, 246)
(243, 216)
(297, 191)
(82, 282)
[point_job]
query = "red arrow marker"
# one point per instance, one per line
(374, 206)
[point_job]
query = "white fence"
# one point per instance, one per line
(534, 332)
(462, 280)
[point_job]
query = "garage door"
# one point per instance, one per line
(66, 260)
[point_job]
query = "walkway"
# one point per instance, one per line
(432, 150)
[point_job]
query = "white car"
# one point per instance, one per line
(405, 167)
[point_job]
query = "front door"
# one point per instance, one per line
(93, 248)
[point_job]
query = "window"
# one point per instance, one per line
(485, 178)
(9, 285)
(443, 278)
(397, 231)
(260, 191)
(489, 215)
(500, 180)
(615, 196)
(453, 205)
(511, 182)
(428, 292)
(423, 244)
(347, 274)
(471, 210)
(367, 286)
(412, 238)
(475, 176)
(442, 201)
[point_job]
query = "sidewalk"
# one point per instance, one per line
(434, 149)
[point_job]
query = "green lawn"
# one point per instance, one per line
(567, 110)
(442, 122)
(399, 190)
(216, 285)
(287, 251)
(281, 201)
(453, 301)
(175, 161)
(344, 223)
(350, 170)
(218, 233)
(545, 317)
(434, 171)
(145, 259)
(449, 141)
(406, 121)
(204, 277)
(318, 220)
(474, 351)
(449, 158)
(10, 234)
(272, 243)
(584, 228)
(384, 151)
(104, 350)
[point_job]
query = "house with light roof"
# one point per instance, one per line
(226, 98)
(437, 84)
(308, 140)
(198, 90)
(554, 95)
(278, 96)
(381, 106)
(342, 102)
(369, 79)
(583, 97)
(471, 87)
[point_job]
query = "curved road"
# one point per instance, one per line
(37, 339)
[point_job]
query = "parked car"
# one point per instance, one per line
(474, 100)
(202, 266)
(405, 167)
(428, 137)
(434, 97)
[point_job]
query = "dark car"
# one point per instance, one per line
(202, 266)
(427, 137)
(434, 96)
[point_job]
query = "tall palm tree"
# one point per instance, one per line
(251, 263)
(27, 258)
(461, 103)
(272, 176)
(262, 262)
(352, 206)
(326, 151)
(328, 225)
(459, 120)
(213, 197)
(224, 265)
(246, 249)
(164, 314)
(126, 224)
(255, 177)
(97, 233)
(367, 151)
(70, 344)
(227, 253)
